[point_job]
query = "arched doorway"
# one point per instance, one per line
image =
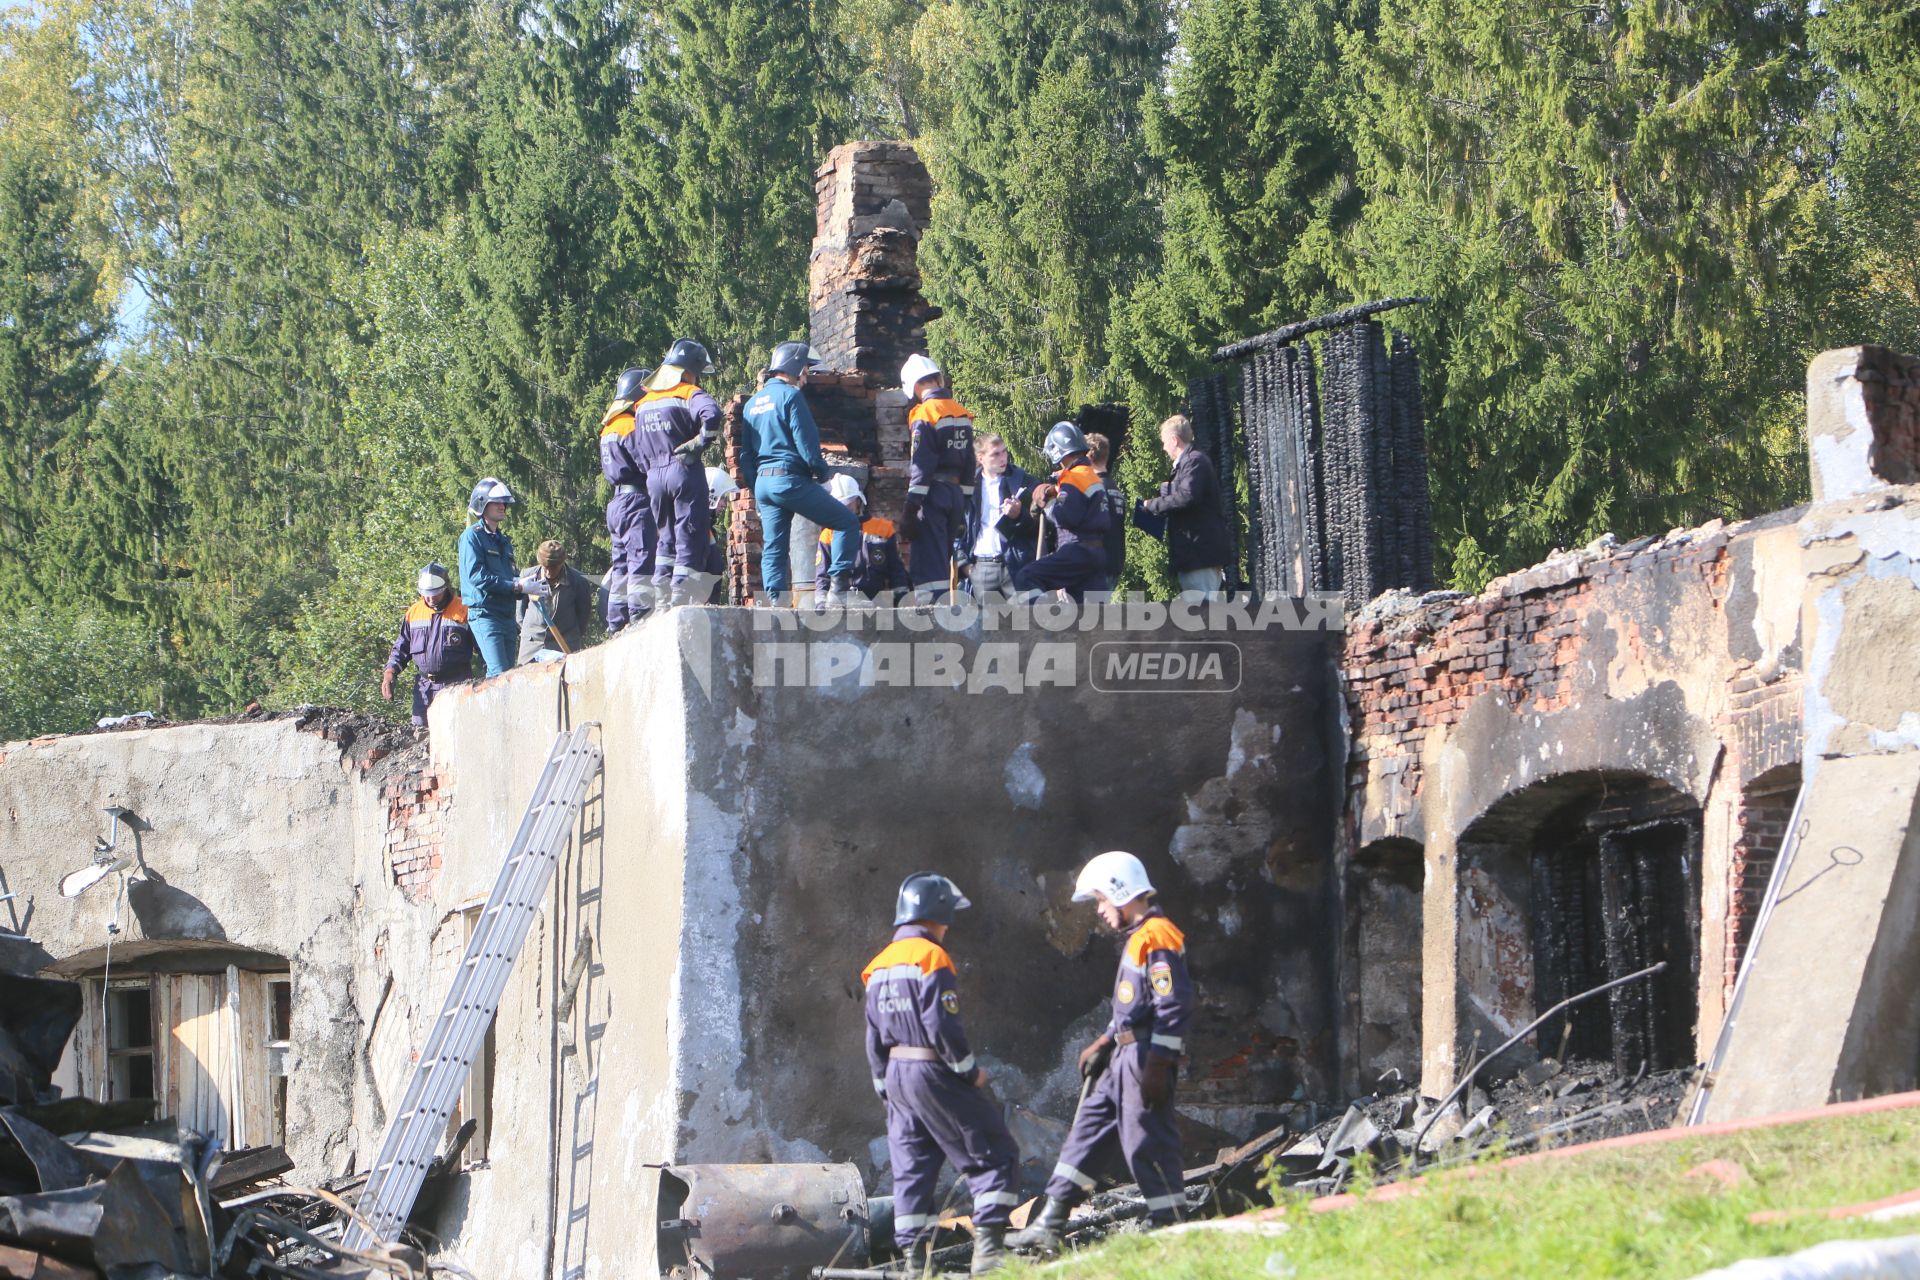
(1572, 882)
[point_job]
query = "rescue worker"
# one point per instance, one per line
(877, 567)
(1135, 1059)
(1099, 457)
(435, 638)
(1075, 505)
(630, 525)
(1000, 531)
(672, 425)
(781, 450)
(488, 579)
(720, 489)
(940, 474)
(937, 1104)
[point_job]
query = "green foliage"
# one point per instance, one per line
(62, 668)
(737, 102)
(1044, 203)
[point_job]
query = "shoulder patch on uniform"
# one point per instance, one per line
(1157, 934)
(1160, 978)
(923, 953)
(1124, 992)
(950, 1001)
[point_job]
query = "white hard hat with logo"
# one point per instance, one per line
(719, 484)
(1115, 875)
(916, 368)
(844, 486)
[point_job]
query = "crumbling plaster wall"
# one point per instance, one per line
(755, 833)
(1673, 659)
(261, 836)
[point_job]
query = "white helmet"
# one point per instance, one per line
(719, 484)
(432, 579)
(916, 368)
(844, 486)
(1116, 875)
(488, 490)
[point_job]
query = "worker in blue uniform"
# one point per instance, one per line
(937, 1104)
(1136, 1059)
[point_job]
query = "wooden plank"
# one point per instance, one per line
(88, 1053)
(200, 1046)
(244, 1169)
(253, 1097)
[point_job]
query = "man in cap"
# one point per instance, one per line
(1136, 1058)
(781, 450)
(877, 568)
(672, 425)
(435, 638)
(1074, 502)
(937, 1105)
(630, 526)
(489, 580)
(568, 605)
(940, 474)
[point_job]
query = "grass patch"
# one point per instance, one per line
(1614, 1213)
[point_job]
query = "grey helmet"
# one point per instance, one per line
(632, 383)
(1062, 442)
(793, 358)
(929, 896)
(432, 579)
(689, 355)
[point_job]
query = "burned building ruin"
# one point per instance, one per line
(1408, 825)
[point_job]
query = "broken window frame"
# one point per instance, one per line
(115, 1085)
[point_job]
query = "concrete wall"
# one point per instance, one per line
(258, 838)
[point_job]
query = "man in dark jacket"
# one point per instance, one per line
(1000, 532)
(1197, 545)
(569, 603)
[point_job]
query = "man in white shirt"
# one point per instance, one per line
(1002, 532)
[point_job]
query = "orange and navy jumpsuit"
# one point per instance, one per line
(670, 428)
(940, 477)
(877, 569)
(917, 1050)
(439, 644)
(1152, 1005)
(1078, 562)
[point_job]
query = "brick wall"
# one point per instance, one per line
(1408, 671)
(416, 812)
(1760, 829)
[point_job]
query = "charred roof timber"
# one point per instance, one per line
(1337, 456)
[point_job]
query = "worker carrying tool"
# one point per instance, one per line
(672, 425)
(489, 582)
(780, 449)
(940, 474)
(629, 514)
(878, 572)
(1135, 1060)
(937, 1104)
(559, 622)
(435, 638)
(1074, 502)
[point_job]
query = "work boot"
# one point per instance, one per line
(919, 1257)
(682, 594)
(839, 588)
(989, 1250)
(1042, 1235)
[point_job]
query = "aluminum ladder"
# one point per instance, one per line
(417, 1129)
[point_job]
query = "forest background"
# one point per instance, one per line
(280, 278)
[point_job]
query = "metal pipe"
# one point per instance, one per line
(1467, 1080)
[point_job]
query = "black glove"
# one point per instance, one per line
(1156, 1081)
(1094, 1058)
(910, 521)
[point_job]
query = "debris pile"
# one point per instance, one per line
(93, 1189)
